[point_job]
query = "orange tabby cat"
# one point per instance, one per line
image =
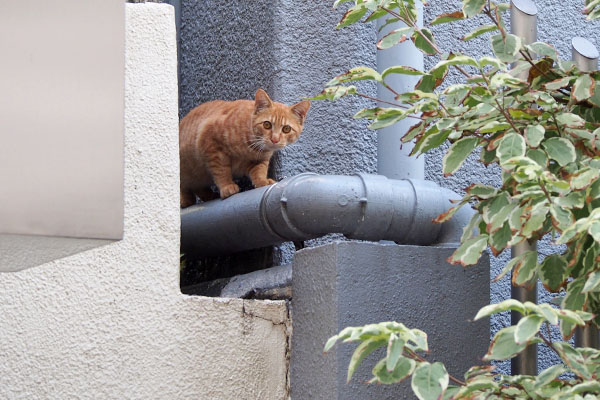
(222, 140)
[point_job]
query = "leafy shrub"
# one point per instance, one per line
(544, 133)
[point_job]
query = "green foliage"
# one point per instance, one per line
(538, 118)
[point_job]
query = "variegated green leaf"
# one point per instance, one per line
(527, 328)
(548, 375)
(429, 381)
(471, 8)
(504, 346)
(423, 40)
(560, 149)
(468, 253)
(401, 69)
(583, 88)
(403, 368)
(534, 135)
(458, 153)
(448, 17)
(490, 309)
(562, 218)
(394, 37)
(573, 300)
(525, 271)
(570, 120)
(512, 145)
(364, 349)
(334, 93)
(592, 283)
(479, 31)
(394, 351)
(356, 74)
(584, 178)
(506, 48)
(553, 272)
(559, 83)
(353, 15)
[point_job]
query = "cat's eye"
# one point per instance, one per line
(267, 125)
(286, 129)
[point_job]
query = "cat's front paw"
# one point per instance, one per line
(264, 182)
(228, 190)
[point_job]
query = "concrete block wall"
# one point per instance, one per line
(111, 323)
(340, 284)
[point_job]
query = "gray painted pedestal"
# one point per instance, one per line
(355, 283)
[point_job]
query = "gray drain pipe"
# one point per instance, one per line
(307, 206)
(393, 159)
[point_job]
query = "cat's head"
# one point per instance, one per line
(277, 125)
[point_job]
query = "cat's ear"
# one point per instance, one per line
(262, 101)
(300, 109)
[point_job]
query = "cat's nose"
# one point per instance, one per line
(275, 139)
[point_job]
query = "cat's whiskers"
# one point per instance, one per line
(257, 144)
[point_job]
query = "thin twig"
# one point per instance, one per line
(383, 101)
(556, 123)
(388, 87)
(500, 107)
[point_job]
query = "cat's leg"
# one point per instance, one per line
(258, 174)
(186, 199)
(220, 169)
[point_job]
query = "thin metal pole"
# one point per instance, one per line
(585, 55)
(523, 17)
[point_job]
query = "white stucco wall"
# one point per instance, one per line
(111, 323)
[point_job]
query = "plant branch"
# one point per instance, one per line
(500, 107)
(556, 123)
(382, 101)
(413, 24)
(488, 11)
(529, 59)
(388, 87)
(391, 104)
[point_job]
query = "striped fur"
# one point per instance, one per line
(223, 140)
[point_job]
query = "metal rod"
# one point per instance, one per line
(585, 55)
(587, 336)
(526, 362)
(523, 16)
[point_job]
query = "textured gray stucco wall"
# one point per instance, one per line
(230, 48)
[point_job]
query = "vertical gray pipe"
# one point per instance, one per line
(523, 23)
(393, 159)
(585, 56)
